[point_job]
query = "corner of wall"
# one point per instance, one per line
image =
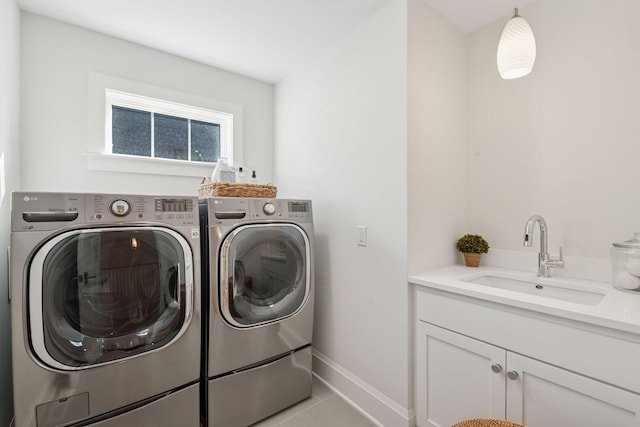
(437, 137)
(9, 181)
(341, 127)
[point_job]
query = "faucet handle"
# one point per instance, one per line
(557, 263)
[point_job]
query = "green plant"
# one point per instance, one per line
(472, 243)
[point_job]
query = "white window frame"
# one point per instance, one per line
(152, 105)
(105, 91)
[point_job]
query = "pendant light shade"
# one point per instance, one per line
(517, 48)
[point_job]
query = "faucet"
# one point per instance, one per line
(545, 262)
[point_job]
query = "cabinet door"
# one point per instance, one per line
(542, 395)
(455, 378)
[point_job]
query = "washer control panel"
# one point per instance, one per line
(109, 208)
(49, 211)
(177, 211)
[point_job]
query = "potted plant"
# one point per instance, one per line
(472, 247)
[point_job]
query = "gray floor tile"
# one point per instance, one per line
(334, 412)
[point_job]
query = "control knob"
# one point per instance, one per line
(269, 208)
(120, 207)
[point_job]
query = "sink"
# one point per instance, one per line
(548, 288)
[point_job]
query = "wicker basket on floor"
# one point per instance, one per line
(486, 422)
(229, 189)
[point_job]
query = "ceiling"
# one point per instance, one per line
(262, 39)
(471, 15)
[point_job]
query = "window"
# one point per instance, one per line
(142, 126)
(150, 140)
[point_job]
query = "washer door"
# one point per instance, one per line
(264, 273)
(100, 295)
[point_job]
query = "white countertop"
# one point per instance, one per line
(618, 310)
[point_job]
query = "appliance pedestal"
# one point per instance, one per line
(247, 396)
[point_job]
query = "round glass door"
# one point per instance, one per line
(100, 295)
(264, 273)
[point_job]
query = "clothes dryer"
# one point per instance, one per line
(258, 273)
(105, 305)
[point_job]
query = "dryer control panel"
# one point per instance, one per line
(234, 210)
(281, 209)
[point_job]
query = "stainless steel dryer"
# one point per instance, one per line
(258, 264)
(105, 310)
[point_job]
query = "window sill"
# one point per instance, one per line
(131, 164)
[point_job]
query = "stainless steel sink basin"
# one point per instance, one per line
(548, 288)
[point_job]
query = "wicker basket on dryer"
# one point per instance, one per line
(230, 189)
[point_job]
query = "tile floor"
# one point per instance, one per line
(324, 408)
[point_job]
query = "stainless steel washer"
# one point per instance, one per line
(258, 274)
(106, 323)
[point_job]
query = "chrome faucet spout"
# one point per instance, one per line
(545, 262)
(528, 232)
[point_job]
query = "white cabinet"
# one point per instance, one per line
(459, 377)
(455, 379)
(544, 395)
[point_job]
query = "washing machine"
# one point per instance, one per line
(105, 310)
(258, 274)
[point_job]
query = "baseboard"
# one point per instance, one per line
(368, 400)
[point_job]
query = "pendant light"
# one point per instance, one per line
(517, 48)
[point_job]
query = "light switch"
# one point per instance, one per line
(362, 235)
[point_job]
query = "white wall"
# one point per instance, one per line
(563, 142)
(373, 131)
(56, 61)
(437, 179)
(9, 179)
(341, 134)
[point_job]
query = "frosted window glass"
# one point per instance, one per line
(205, 141)
(131, 131)
(171, 135)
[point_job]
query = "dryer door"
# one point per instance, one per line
(264, 273)
(100, 295)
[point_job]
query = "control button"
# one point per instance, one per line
(140, 216)
(120, 207)
(98, 216)
(269, 208)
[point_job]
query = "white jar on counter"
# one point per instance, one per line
(625, 261)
